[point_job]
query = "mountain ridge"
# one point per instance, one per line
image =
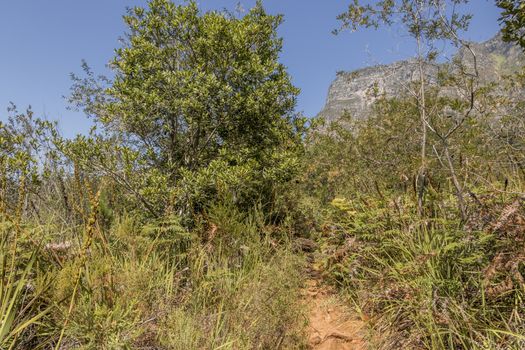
(355, 91)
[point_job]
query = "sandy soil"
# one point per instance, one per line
(331, 326)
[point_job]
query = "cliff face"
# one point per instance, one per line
(356, 91)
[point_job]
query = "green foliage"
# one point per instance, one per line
(195, 95)
(161, 286)
(190, 84)
(169, 226)
(21, 296)
(149, 234)
(136, 282)
(513, 21)
(426, 278)
(421, 18)
(426, 283)
(17, 311)
(23, 140)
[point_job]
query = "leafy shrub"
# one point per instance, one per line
(428, 283)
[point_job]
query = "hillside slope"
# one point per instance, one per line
(356, 91)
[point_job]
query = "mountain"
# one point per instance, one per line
(356, 91)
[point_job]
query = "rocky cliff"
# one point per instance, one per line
(356, 91)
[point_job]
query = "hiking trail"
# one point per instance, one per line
(331, 325)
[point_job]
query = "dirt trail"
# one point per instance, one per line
(331, 327)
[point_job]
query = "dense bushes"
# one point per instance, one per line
(199, 104)
(425, 279)
(232, 283)
(166, 226)
(169, 226)
(430, 283)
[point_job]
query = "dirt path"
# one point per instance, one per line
(331, 327)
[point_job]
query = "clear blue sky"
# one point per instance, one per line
(43, 41)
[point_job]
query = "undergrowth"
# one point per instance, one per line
(230, 284)
(430, 283)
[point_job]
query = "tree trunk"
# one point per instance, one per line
(421, 176)
(459, 189)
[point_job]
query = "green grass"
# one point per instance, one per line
(231, 283)
(424, 282)
(20, 305)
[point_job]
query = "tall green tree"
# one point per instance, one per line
(190, 88)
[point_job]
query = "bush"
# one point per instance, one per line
(429, 283)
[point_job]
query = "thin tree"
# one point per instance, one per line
(428, 22)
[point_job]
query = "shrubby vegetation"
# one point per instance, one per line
(422, 280)
(172, 224)
(166, 227)
(423, 200)
(199, 106)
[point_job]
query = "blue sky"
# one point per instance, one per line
(43, 41)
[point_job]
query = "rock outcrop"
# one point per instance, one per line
(356, 91)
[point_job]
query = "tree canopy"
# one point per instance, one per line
(190, 88)
(513, 20)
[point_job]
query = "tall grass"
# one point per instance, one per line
(431, 283)
(231, 283)
(19, 308)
